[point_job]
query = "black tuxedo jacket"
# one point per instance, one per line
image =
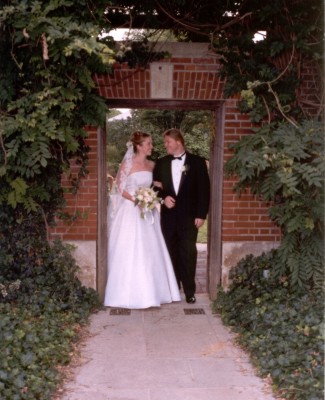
(192, 200)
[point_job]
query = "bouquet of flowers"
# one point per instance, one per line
(146, 199)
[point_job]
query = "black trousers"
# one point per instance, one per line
(181, 244)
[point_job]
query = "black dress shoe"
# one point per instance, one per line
(190, 299)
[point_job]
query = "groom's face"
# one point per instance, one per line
(172, 146)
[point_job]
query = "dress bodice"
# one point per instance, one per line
(138, 179)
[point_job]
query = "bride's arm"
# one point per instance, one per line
(128, 196)
(120, 183)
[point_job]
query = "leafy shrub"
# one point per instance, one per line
(32, 345)
(282, 330)
(285, 166)
(40, 317)
(44, 269)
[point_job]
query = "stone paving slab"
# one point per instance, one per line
(163, 354)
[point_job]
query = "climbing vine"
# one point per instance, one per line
(48, 54)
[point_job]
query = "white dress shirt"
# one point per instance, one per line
(177, 170)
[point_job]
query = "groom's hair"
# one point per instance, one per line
(175, 134)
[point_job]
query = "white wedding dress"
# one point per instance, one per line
(140, 273)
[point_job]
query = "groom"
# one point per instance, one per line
(183, 182)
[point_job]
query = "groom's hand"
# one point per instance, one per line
(198, 222)
(169, 202)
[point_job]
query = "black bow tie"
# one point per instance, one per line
(178, 158)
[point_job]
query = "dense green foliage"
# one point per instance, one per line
(268, 71)
(28, 257)
(42, 304)
(282, 330)
(49, 51)
(32, 347)
(286, 166)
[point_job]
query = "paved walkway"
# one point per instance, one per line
(175, 352)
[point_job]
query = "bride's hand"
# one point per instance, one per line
(157, 184)
(128, 196)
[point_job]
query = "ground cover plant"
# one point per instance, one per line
(49, 53)
(42, 308)
(283, 330)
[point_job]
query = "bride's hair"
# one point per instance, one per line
(137, 138)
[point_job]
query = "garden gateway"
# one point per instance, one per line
(187, 80)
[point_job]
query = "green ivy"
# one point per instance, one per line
(34, 345)
(282, 330)
(42, 305)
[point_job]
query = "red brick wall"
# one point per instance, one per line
(84, 202)
(194, 78)
(244, 218)
(124, 83)
(311, 90)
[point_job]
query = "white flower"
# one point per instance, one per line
(9, 288)
(146, 199)
(3, 290)
(185, 168)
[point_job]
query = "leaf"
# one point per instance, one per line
(309, 223)
(43, 162)
(19, 185)
(3, 170)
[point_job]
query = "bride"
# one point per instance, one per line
(140, 272)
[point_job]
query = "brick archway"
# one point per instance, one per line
(188, 79)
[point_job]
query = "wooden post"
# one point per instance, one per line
(102, 215)
(215, 213)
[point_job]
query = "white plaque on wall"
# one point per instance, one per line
(161, 80)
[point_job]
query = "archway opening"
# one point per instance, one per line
(211, 142)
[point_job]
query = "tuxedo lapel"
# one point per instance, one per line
(185, 172)
(170, 176)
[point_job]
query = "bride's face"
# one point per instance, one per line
(146, 146)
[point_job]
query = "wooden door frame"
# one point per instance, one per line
(214, 259)
(214, 262)
(102, 232)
